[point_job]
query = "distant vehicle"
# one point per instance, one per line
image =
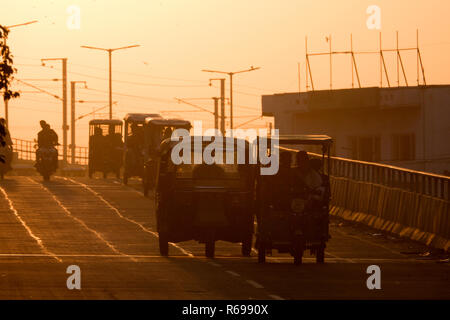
(105, 146)
(156, 130)
(5, 164)
(293, 215)
(134, 144)
(204, 202)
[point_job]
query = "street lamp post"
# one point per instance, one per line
(222, 103)
(72, 118)
(231, 87)
(64, 101)
(110, 51)
(5, 100)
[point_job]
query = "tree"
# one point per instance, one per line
(6, 76)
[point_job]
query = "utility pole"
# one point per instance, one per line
(110, 51)
(72, 118)
(231, 74)
(216, 112)
(64, 101)
(5, 100)
(222, 103)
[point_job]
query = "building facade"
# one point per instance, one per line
(403, 126)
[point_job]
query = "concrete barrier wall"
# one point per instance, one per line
(407, 214)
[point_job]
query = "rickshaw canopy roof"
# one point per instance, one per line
(140, 117)
(167, 122)
(105, 121)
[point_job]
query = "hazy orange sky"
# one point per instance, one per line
(178, 38)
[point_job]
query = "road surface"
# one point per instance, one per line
(108, 230)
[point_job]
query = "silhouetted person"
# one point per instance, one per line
(47, 139)
(136, 143)
(115, 145)
(98, 145)
(313, 176)
(167, 133)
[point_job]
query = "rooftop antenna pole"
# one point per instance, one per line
(351, 58)
(331, 67)
(381, 65)
(298, 71)
(306, 60)
(398, 67)
(417, 54)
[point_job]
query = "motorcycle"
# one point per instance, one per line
(46, 162)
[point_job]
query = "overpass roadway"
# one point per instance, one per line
(108, 230)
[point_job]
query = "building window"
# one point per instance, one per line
(403, 147)
(365, 148)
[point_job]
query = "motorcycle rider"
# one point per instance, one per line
(47, 139)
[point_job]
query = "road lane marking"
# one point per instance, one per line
(234, 274)
(254, 284)
(24, 224)
(155, 234)
(275, 297)
(215, 264)
(67, 211)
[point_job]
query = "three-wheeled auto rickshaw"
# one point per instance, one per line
(133, 163)
(156, 130)
(195, 200)
(293, 205)
(105, 146)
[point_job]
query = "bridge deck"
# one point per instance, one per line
(108, 230)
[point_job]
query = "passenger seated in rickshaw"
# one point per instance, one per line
(115, 145)
(167, 133)
(136, 142)
(318, 182)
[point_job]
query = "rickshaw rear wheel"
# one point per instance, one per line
(246, 248)
(210, 248)
(261, 252)
(297, 251)
(298, 257)
(163, 245)
(320, 254)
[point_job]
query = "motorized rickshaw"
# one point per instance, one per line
(201, 201)
(156, 130)
(105, 146)
(293, 205)
(134, 144)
